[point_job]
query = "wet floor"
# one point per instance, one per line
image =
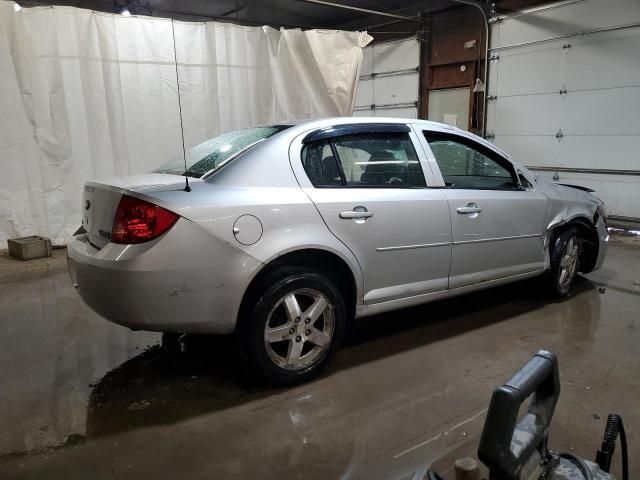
(82, 398)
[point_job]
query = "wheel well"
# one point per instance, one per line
(590, 243)
(326, 263)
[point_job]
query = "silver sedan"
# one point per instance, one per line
(283, 234)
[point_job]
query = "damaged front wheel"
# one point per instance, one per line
(564, 254)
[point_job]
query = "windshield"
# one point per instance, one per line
(209, 156)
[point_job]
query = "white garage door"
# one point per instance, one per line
(564, 98)
(389, 80)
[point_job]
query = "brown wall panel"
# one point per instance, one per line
(451, 30)
(447, 76)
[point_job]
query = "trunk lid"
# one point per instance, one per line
(101, 198)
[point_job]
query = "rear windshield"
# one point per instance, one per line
(209, 156)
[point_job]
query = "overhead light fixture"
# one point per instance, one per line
(17, 7)
(125, 12)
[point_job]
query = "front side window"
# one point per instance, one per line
(209, 156)
(377, 159)
(524, 182)
(465, 166)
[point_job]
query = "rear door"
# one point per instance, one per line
(368, 183)
(497, 223)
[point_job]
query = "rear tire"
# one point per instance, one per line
(292, 325)
(564, 253)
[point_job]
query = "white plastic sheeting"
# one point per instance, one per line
(85, 95)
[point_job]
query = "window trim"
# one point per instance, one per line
(335, 158)
(337, 133)
(329, 133)
(430, 136)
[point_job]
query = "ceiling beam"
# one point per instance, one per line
(363, 10)
(238, 20)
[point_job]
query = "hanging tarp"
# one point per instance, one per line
(85, 95)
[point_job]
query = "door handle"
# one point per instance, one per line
(356, 214)
(470, 208)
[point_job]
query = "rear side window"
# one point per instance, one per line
(209, 156)
(464, 165)
(321, 165)
(381, 160)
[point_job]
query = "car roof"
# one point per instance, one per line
(300, 126)
(268, 166)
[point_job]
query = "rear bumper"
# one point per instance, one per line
(186, 281)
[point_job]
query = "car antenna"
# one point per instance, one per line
(187, 188)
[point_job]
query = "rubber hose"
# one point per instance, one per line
(577, 461)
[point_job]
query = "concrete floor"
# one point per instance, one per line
(82, 398)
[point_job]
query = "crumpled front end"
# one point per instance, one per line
(581, 207)
(603, 242)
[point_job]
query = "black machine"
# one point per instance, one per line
(519, 450)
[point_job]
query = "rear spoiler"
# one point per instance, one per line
(584, 189)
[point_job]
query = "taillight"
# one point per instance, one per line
(139, 221)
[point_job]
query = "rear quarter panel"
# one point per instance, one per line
(260, 184)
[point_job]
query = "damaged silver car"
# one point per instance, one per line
(285, 233)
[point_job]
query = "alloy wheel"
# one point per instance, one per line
(299, 329)
(569, 263)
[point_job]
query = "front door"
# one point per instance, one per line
(370, 189)
(497, 224)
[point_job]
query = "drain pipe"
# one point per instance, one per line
(485, 17)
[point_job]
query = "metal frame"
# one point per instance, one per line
(568, 35)
(363, 10)
(390, 73)
(590, 171)
(485, 16)
(385, 106)
(540, 8)
(485, 11)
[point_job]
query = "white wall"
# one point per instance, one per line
(544, 51)
(393, 87)
(85, 95)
